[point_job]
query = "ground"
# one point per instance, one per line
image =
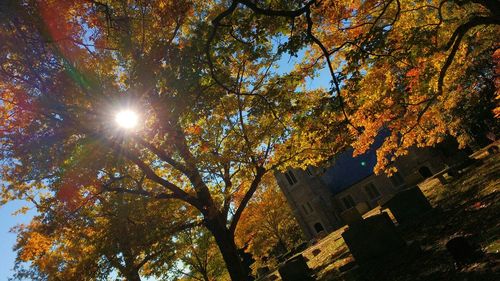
(467, 206)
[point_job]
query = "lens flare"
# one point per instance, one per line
(127, 119)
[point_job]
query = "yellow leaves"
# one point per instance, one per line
(162, 4)
(36, 245)
(463, 140)
(23, 210)
(157, 55)
(397, 92)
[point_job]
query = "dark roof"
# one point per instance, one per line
(348, 170)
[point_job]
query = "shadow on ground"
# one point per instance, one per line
(468, 206)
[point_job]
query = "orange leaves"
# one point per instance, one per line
(414, 72)
(36, 245)
(496, 59)
(267, 223)
(194, 130)
(392, 57)
(205, 147)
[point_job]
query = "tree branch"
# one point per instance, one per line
(260, 171)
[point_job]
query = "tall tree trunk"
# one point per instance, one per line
(282, 244)
(133, 275)
(228, 249)
(205, 276)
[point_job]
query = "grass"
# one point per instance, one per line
(468, 206)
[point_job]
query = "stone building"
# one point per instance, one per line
(319, 196)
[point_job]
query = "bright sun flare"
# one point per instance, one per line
(127, 119)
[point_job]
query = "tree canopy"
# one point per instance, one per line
(113, 234)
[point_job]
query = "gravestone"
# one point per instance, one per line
(301, 247)
(493, 150)
(247, 260)
(295, 269)
(461, 250)
(372, 238)
(316, 252)
(351, 216)
(408, 204)
(272, 277)
(362, 207)
(262, 271)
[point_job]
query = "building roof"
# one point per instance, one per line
(348, 170)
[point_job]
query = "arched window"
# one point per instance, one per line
(309, 171)
(372, 191)
(290, 177)
(425, 172)
(397, 180)
(318, 227)
(348, 202)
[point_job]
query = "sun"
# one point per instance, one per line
(127, 119)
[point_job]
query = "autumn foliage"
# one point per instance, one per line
(267, 227)
(218, 110)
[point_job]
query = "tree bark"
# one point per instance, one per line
(133, 276)
(225, 242)
(205, 276)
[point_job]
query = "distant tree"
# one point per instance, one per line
(197, 257)
(268, 226)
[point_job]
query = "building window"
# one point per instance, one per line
(372, 191)
(310, 207)
(425, 172)
(309, 171)
(397, 179)
(348, 202)
(318, 227)
(307, 208)
(290, 177)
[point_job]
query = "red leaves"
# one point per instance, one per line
(414, 72)
(65, 25)
(68, 193)
(413, 75)
(73, 187)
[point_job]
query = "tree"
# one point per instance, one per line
(408, 66)
(216, 116)
(268, 226)
(412, 67)
(198, 257)
(68, 66)
(105, 234)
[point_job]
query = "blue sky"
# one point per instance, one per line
(7, 239)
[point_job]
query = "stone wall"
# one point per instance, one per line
(313, 203)
(310, 201)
